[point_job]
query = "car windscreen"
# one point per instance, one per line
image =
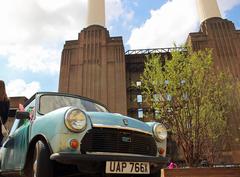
(50, 103)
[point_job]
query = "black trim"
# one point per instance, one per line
(70, 158)
(11, 173)
(12, 112)
(72, 95)
(29, 100)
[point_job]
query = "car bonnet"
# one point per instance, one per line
(100, 119)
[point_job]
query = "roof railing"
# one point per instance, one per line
(154, 50)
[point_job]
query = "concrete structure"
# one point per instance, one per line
(207, 9)
(96, 12)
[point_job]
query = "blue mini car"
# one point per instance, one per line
(58, 134)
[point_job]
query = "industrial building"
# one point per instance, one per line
(96, 66)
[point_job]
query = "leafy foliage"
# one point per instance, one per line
(192, 98)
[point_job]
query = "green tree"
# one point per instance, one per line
(192, 98)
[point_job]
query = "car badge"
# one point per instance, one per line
(125, 121)
(126, 139)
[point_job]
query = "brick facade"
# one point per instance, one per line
(94, 66)
(221, 36)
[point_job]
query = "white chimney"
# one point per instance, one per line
(208, 9)
(96, 12)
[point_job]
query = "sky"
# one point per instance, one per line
(33, 32)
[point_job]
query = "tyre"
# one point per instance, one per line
(40, 164)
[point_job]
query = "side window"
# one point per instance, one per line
(14, 126)
(18, 123)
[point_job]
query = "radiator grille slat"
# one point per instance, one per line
(111, 140)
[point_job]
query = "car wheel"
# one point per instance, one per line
(40, 165)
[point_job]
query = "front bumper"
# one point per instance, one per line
(70, 158)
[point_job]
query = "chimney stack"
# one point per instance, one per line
(96, 12)
(208, 9)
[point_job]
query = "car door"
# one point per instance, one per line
(14, 149)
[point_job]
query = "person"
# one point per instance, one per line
(4, 107)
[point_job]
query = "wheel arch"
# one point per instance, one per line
(31, 147)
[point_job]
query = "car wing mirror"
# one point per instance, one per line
(22, 115)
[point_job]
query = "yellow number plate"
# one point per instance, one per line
(127, 167)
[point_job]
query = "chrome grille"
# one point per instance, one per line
(118, 141)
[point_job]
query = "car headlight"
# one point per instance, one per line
(75, 120)
(160, 132)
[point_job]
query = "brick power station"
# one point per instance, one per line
(96, 65)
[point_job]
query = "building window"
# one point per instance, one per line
(140, 113)
(139, 98)
(138, 83)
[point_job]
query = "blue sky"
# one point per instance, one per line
(33, 33)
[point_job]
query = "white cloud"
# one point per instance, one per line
(40, 21)
(167, 25)
(19, 87)
(35, 58)
(116, 10)
(171, 23)
(32, 32)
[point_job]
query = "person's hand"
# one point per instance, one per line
(21, 108)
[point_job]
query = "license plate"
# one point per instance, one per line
(127, 167)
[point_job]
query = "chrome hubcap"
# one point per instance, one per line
(35, 161)
(35, 168)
